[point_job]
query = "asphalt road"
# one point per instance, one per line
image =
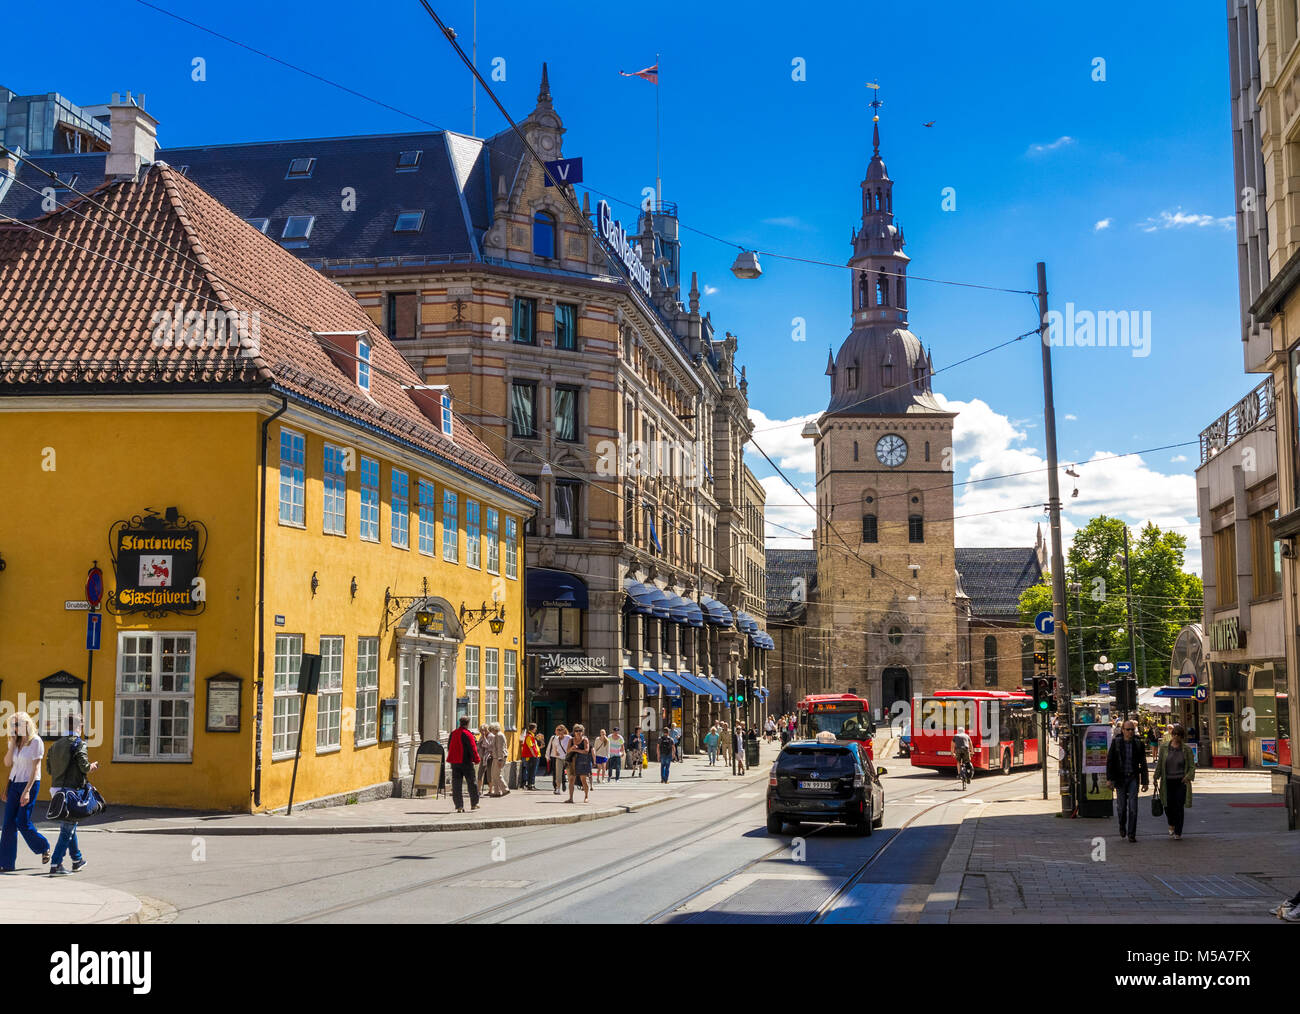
(704, 857)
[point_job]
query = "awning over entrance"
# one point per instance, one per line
(692, 684)
(746, 622)
(715, 612)
(1182, 692)
(651, 687)
(556, 588)
(694, 614)
(666, 680)
(717, 693)
(646, 599)
(720, 688)
(761, 640)
(678, 607)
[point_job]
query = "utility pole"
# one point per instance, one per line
(1066, 737)
(1128, 590)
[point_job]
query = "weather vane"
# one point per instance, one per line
(875, 101)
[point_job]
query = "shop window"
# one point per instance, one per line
(400, 509)
(450, 527)
(491, 687)
(525, 321)
(990, 661)
(425, 521)
(473, 541)
(329, 699)
(544, 235)
(554, 627)
(286, 717)
(566, 326)
(293, 483)
(566, 508)
(566, 413)
(472, 685)
(512, 549)
(155, 696)
(509, 689)
(335, 497)
(367, 690)
(523, 409)
(403, 315)
(369, 499)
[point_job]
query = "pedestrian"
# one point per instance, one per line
(635, 748)
(677, 741)
(616, 747)
(600, 750)
(785, 732)
(1126, 766)
(23, 758)
(530, 752)
(769, 729)
(463, 756)
(1175, 772)
(723, 740)
(738, 745)
(556, 750)
(578, 763)
(485, 757)
(666, 744)
(500, 753)
(69, 765)
(711, 745)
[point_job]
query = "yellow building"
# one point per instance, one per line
(261, 478)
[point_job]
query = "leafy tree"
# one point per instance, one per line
(1165, 598)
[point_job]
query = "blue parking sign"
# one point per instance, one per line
(93, 623)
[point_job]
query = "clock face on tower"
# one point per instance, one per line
(891, 450)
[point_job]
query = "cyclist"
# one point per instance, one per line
(961, 747)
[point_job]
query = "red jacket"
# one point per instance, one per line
(462, 747)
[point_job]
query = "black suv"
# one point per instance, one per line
(823, 783)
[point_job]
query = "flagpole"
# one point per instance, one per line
(659, 181)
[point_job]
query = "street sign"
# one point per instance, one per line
(1104, 688)
(1202, 693)
(94, 587)
(1123, 666)
(564, 170)
(1044, 622)
(74, 605)
(1187, 679)
(94, 621)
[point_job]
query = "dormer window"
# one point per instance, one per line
(363, 365)
(446, 413)
(298, 227)
(300, 168)
(68, 180)
(543, 234)
(409, 221)
(260, 224)
(851, 377)
(409, 161)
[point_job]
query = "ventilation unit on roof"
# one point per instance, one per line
(300, 168)
(408, 161)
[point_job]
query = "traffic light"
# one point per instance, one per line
(1126, 693)
(1042, 696)
(1040, 659)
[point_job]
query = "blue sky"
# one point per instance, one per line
(1038, 153)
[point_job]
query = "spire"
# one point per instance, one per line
(875, 118)
(695, 292)
(544, 93)
(830, 362)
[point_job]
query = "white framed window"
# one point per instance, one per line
(510, 680)
(400, 508)
(155, 696)
(329, 699)
(286, 713)
(363, 365)
(493, 541)
(367, 690)
(491, 685)
(446, 414)
(293, 479)
(450, 527)
(369, 499)
(335, 500)
(512, 549)
(473, 541)
(471, 684)
(403, 696)
(425, 521)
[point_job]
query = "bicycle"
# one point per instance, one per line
(965, 772)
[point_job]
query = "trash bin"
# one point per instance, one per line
(751, 750)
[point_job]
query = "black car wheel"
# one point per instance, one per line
(866, 825)
(1006, 762)
(879, 818)
(774, 823)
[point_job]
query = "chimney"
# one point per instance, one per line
(134, 138)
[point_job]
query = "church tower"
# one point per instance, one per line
(887, 599)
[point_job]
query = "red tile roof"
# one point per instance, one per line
(81, 288)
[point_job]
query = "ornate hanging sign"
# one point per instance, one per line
(156, 560)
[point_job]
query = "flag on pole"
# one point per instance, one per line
(650, 74)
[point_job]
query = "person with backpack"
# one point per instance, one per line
(666, 745)
(462, 755)
(69, 765)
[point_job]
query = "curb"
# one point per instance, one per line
(946, 891)
(477, 824)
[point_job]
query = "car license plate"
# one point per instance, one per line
(816, 786)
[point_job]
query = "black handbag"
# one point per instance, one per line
(1157, 807)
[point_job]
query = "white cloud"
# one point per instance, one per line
(1071, 417)
(1060, 142)
(1178, 457)
(788, 222)
(1103, 224)
(709, 290)
(1179, 219)
(782, 441)
(785, 511)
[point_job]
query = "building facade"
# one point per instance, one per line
(269, 481)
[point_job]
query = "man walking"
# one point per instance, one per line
(615, 756)
(666, 745)
(1126, 765)
(462, 755)
(530, 752)
(69, 766)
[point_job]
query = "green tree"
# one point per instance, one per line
(1165, 598)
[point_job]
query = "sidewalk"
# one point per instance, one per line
(1014, 860)
(692, 778)
(32, 896)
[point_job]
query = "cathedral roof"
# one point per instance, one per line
(995, 578)
(891, 370)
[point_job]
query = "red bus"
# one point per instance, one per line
(847, 716)
(1003, 728)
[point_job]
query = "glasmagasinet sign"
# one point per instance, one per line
(612, 232)
(157, 570)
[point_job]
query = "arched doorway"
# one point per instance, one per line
(895, 685)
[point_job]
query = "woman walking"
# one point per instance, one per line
(711, 741)
(634, 748)
(23, 759)
(1175, 771)
(578, 763)
(556, 750)
(485, 757)
(601, 751)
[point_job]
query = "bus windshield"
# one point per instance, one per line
(848, 725)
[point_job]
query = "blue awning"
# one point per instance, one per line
(721, 688)
(761, 693)
(646, 599)
(555, 588)
(1183, 692)
(715, 612)
(746, 622)
(761, 640)
(666, 680)
(678, 608)
(651, 687)
(717, 692)
(694, 614)
(692, 684)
